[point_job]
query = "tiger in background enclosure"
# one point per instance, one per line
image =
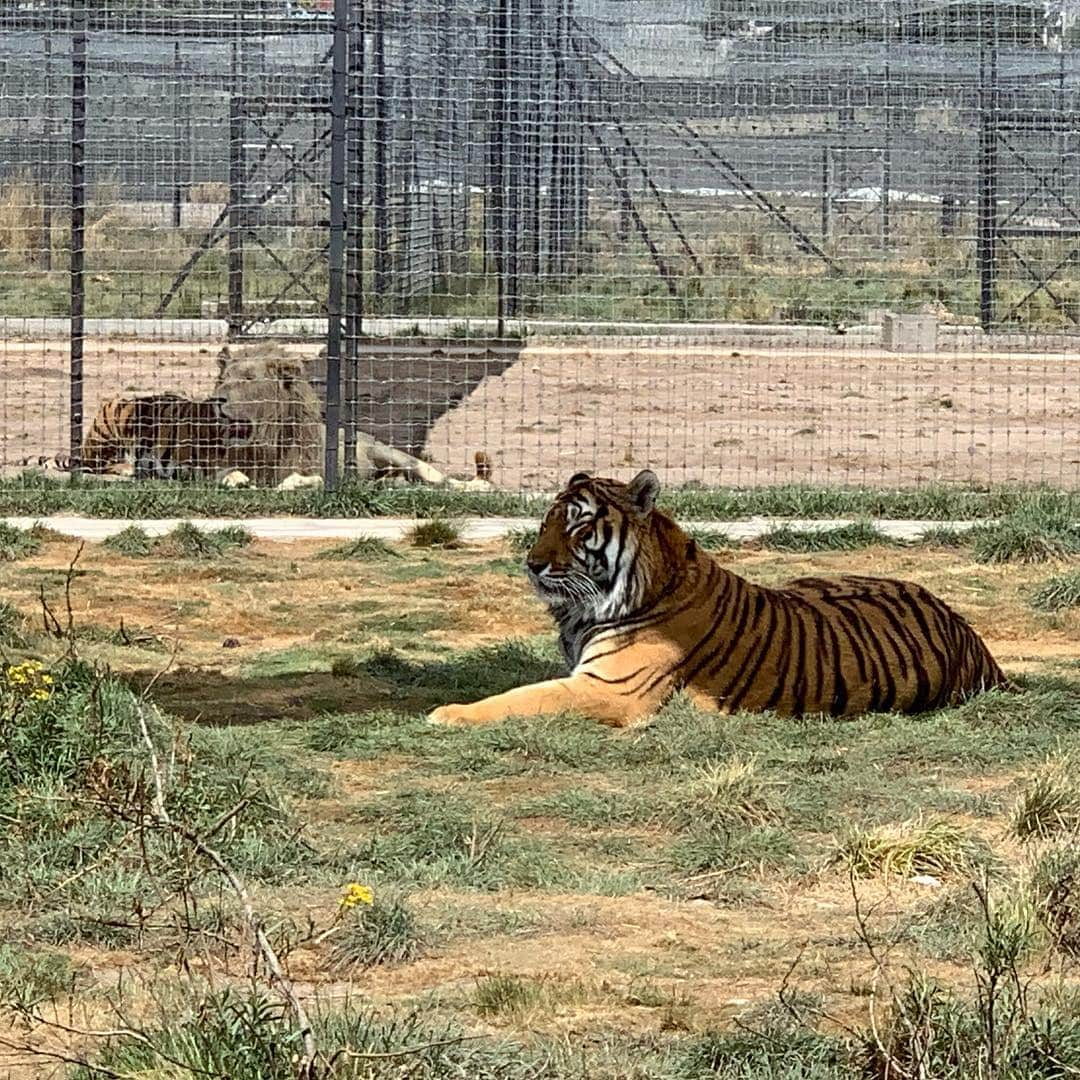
(163, 436)
(644, 612)
(263, 425)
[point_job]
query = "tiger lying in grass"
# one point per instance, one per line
(643, 612)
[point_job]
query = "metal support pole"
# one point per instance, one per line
(826, 193)
(237, 194)
(47, 189)
(177, 134)
(988, 164)
(886, 165)
(380, 277)
(497, 136)
(354, 242)
(338, 94)
(78, 228)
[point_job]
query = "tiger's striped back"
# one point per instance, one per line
(643, 612)
(164, 435)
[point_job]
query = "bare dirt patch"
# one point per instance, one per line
(693, 412)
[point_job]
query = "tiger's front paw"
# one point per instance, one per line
(451, 716)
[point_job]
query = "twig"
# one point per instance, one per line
(50, 623)
(68, 578)
(161, 671)
(36, 1053)
(270, 957)
(158, 803)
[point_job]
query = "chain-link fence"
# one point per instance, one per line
(741, 243)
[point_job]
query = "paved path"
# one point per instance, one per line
(487, 528)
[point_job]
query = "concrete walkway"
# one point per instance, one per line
(487, 528)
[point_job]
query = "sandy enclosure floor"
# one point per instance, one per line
(695, 413)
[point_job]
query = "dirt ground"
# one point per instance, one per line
(693, 412)
(252, 638)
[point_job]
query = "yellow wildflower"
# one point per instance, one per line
(355, 894)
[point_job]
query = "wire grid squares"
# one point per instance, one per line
(739, 244)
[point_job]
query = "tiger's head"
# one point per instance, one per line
(600, 545)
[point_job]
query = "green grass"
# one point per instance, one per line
(843, 538)
(1055, 894)
(502, 995)
(17, 543)
(942, 536)
(437, 533)
(910, 847)
(424, 836)
(1059, 593)
(33, 495)
(1049, 803)
(521, 541)
(12, 626)
(387, 932)
(30, 976)
(709, 539)
(1041, 531)
(186, 541)
(726, 849)
(362, 549)
(131, 542)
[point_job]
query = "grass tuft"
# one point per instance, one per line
(722, 794)
(942, 536)
(12, 626)
(132, 542)
(911, 847)
(726, 849)
(16, 543)
(503, 995)
(522, 541)
(1032, 534)
(859, 534)
(1055, 892)
(1050, 802)
(1058, 593)
(362, 549)
(385, 933)
(710, 539)
(187, 541)
(437, 533)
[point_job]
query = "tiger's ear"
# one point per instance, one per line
(643, 491)
(578, 478)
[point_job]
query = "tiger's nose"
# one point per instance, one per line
(536, 566)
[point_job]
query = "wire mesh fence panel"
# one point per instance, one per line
(740, 244)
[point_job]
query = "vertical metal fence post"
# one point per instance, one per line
(337, 238)
(826, 193)
(497, 176)
(380, 277)
(354, 285)
(886, 164)
(236, 199)
(78, 228)
(177, 137)
(48, 189)
(987, 233)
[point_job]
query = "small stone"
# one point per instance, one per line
(926, 879)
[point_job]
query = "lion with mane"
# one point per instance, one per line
(270, 391)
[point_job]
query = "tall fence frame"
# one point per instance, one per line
(511, 185)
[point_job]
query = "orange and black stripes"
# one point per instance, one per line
(157, 435)
(643, 613)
